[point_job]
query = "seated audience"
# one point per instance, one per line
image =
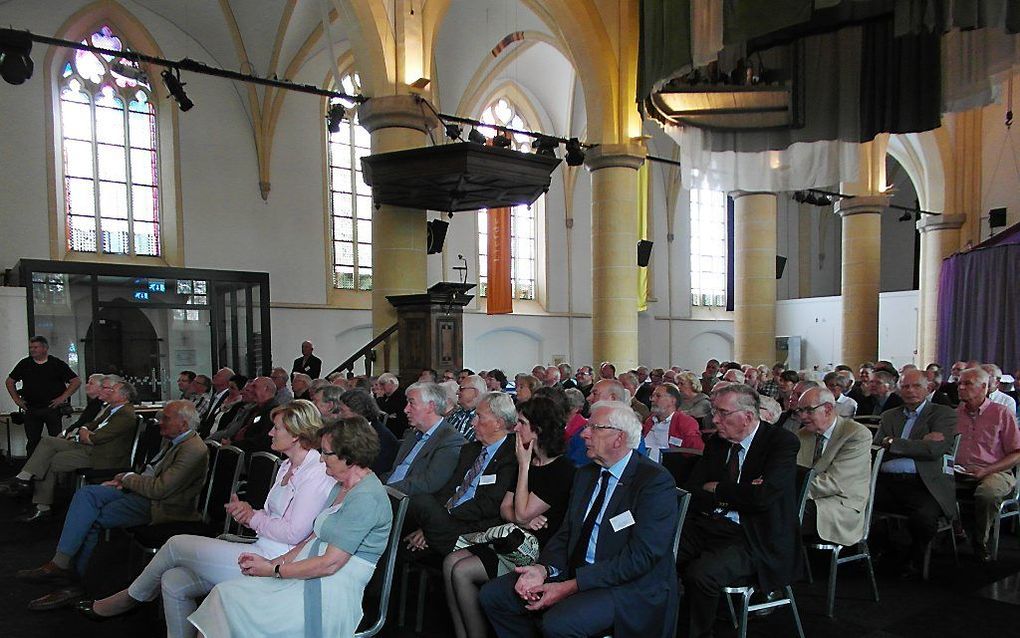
(429, 450)
(862, 387)
(201, 393)
(694, 403)
(950, 385)
(769, 410)
(105, 443)
(184, 380)
(912, 479)
(315, 589)
(989, 449)
(552, 377)
(935, 393)
(631, 384)
(226, 425)
(839, 450)
(252, 434)
(187, 566)
(526, 385)
(881, 394)
(469, 393)
(92, 406)
(470, 499)
(768, 384)
(392, 401)
(428, 375)
(995, 395)
(667, 427)
(537, 504)
(585, 379)
(167, 490)
(742, 524)
(284, 394)
(220, 391)
(301, 384)
(838, 385)
(360, 403)
(610, 564)
(496, 381)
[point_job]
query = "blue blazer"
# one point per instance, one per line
(636, 563)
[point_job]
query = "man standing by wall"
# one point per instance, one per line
(46, 383)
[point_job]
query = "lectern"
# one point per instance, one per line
(430, 329)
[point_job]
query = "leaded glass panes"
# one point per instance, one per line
(708, 248)
(108, 133)
(503, 113)
(350, 199)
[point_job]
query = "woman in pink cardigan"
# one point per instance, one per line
(188, 567)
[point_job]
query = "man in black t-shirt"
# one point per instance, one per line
(46, 383)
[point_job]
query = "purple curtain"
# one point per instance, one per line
(979, 307)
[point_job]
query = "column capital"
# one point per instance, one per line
(929, 223)
(396, 111)
(860, 205)
(630, 155)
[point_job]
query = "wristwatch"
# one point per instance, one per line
(276, 571)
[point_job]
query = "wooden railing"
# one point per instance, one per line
(368, 353)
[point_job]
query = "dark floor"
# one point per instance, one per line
(956, 601)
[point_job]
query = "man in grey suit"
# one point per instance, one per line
(839, 449)
(912, 479)
(429, 450)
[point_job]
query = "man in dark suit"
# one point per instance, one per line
(610, 564)
(486, 470)
(935, 393)
(392, 402)
(912, 479)
(881, 396)
(430, 449)
(253, 435)
(308, 363)
(743, 523)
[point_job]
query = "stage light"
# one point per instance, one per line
(453, 131)
(176, 87)
(546, 146)
(476, 136)
(334, 117)
(502, 140)
(15, 63)
(575, 155)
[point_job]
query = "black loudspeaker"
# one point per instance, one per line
(644, 252)
(997, 217)
(436, 236)
(780, 266)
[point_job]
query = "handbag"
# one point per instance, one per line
(517, 546)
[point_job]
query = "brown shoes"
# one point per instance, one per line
(49, 574)
(61, 598)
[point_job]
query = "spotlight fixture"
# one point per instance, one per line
(906, 216)
(15, 64)
(812, 198)
(575, 155)
(176, 87)
(545, 145)
(453, 131)
(334, 116)
(476, 136)
(502, 140)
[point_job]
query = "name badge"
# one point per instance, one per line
(487, 479)
(947, 464)
(676, 441)
(622, 521)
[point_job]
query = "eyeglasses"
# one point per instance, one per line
(807, 408)
(599, 426)
(724, 413)
(326, 453)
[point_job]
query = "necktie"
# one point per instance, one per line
(819, 447)
(581, 548)
(733, 464)
(469, 478)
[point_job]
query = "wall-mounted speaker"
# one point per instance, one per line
(780, 266)
(436, 236)
(644, 252)
(997, 217)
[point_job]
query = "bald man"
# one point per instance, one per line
(308, 363)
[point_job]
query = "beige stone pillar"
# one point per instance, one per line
(940, 237)
(614, 197)
(396, 122)
(754, 277)
(862, 237)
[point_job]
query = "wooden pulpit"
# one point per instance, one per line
(430, 329)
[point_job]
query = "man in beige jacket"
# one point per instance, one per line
(839, 449)
(167, 490)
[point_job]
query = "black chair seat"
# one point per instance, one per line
(154, 536)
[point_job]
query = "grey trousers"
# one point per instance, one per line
(53, 455)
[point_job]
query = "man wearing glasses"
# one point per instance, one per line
(743, 522)
(839, 449)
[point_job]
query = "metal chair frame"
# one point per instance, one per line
(1008, 508)
(140, 426)
(390, 558)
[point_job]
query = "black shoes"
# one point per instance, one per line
(15, 487)
(36, 516)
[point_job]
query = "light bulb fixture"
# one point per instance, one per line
(334, 117)
(453, 131)
(476, 136)
(575, 154)
(546, 145)
(15, 62)
(176, 87)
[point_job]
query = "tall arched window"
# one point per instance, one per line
(109, 143)
(502, 112)
(350, 199)
(708, 248)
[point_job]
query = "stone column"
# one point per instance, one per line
(614, 196)
(396, 122)
(754, 277)
(861, 270)
(940, 237)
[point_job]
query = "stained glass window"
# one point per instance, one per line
(502, 112)
(350, 198)
(110, 152)
(708, 248)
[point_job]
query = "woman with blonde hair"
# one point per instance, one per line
(187, 567)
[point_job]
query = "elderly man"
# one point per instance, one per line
(104, 443)
(912, 479)
(567, 376)
(469, 393)
(300, 384)
(253, 434)
(610, 563)
(995, 395)
(284, 394)
(950, 385)
(392, 402)
(607, 370)
(328, 399)
(630, 382)
(585, 380)
(935, 393)
(94, 404)
(308, 363)
(539, 373)
(838, 385)
(710, 375)
(881, 395)
(667, 426)
(989, 449)
(220, 390)
(552, 377)
(839, 449)
(486, 470)
(166, 491)
(743, 521)
(862, 387)
(430, 448)
(231, 422)
(201, 393)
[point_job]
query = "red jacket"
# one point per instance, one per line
(681, 426)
